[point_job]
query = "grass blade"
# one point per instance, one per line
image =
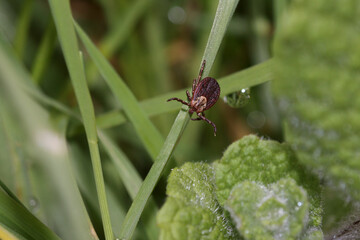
(246, 78)
(249, 77)
(63, 20)
(127, 172)
(147, 132)
(48, 179)
(132, 181)
(22, 27)
(138, 205)
(123, 27)
(44, 53)
(15, 218)
(223, 15)
(119, 32)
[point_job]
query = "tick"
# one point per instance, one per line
(205, 93)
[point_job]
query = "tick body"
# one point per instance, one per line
(205, 94)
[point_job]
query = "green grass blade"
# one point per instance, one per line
(44, 53)
(123, 27)
(249, 77)
(47, 176)
(151, 179)
(119, 32)
(147, 132)
(8, 192)
(47, 101)
(224, 13)
(157, 49)
(15, 218)
(11, 161)
(279, 9)
(22, 28)
(127, 172)
(132, 181)
(64, 24)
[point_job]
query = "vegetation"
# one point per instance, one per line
(89, 148)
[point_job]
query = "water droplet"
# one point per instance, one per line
(238, 99)
(33, 204)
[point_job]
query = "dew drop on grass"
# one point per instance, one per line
(33, 204)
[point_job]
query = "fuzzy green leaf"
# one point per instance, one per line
(278, 211)
(254, 181)
(317, 56)
(191, 210)
(264, 162)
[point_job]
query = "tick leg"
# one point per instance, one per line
(188, 95)
(178, 99)
(201, 71)
(196, 119)
(208, 121)
(195, 83)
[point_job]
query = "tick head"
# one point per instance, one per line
(198, 105)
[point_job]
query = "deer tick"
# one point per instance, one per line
(205, 93)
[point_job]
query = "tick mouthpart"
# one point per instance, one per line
(199, 104)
